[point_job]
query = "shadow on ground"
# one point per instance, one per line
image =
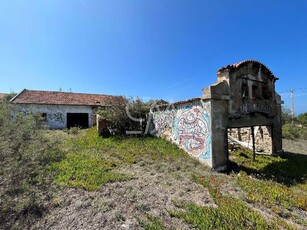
(289, 170)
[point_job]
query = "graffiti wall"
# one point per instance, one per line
(55, 115)
(188, 125)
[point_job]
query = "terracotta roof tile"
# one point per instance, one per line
(2, 95)
(60, 98)
(239, 64)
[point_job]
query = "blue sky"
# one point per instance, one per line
(167, 49)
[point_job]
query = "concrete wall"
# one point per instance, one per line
(56, 114)
(187, 124)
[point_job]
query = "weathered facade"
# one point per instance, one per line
(243, 96)
(60, 110)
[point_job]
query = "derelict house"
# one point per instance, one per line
(61, 110)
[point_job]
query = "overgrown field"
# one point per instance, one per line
(63, 180)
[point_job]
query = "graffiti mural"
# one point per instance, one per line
(56, 117)
(192, 131)
(163, 123)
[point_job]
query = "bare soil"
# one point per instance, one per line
(154, 188)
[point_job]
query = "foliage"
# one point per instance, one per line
(286, 116)
(25, 153)
(288, 170)
(231, 212)
(274, 182)
(271, 194)
(302, 119)
(86, 170)
(91, 160)
(125, 114)
(153, 223)
(292, 131)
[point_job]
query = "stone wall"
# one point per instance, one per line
(263, 137)
(187, 124)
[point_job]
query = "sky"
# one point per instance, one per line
(154, 49)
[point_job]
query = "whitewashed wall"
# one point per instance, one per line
(56, 114)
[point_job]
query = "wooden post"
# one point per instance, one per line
(253, 139)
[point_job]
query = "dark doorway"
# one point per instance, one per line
(77, 120)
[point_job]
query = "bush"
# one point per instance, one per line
(25, 154)
(126, 114)
(302, 119)
(290, 131)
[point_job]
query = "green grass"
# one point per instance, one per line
(271, 194)
(274, 182)
(91, 159)
(86, 170)
(289, 170)
(152, 223)
(231, 212)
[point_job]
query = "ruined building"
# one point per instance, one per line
(59, 110)
(243, 96)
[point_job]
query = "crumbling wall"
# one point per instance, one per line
(187, 124)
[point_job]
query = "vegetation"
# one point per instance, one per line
(296, 129)
(140, 178)
(302, 119)
(293, 131)
(25, 153)
(274, 182)
(91, 159)
(285, 115)
(126, 114)
(231, 213)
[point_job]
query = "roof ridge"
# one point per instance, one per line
(52, 91)
(238, 64)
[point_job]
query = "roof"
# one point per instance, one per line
(243, 63)
(178, 102)
(2, 95)
(60, 98)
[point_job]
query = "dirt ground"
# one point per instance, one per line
(118, 205)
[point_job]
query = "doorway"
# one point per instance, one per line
(258, 139)
(77, 120)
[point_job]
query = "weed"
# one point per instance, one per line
(231, 212)
(92, 159)
(152, 223)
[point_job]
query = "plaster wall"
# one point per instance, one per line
(188, 125)
(56, 115)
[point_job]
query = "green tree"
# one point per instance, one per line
(123, 114)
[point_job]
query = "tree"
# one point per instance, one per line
(124, 114)
(285, 115)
